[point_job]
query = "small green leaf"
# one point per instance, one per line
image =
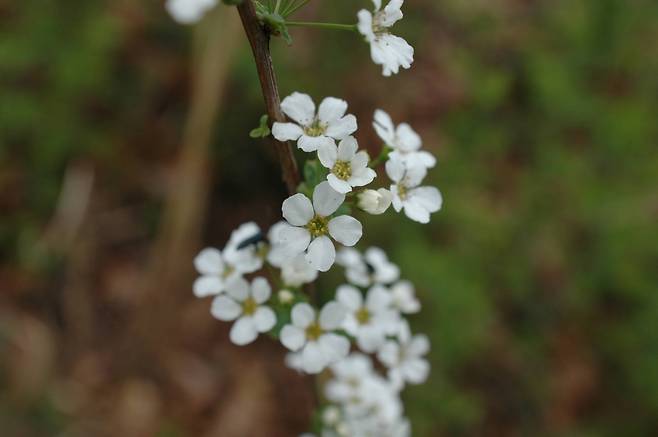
(314, 173)
(262, 130)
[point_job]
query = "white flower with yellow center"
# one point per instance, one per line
(387, 50)
(244, 303)
(347, 167)
(310, 129)
(372, 267)
(313, 336)
(418, 202)
(240, 256)
(404, 141)
(310, 225)
(405, 358)
(369, 320)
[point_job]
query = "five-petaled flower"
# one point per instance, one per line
(347, 167)
(312, 130)
(405, 358)
(313, 336)
(218, 267)
(310, 225)
(372, 267)
(418, 202)
(245, 303)
(387, 50)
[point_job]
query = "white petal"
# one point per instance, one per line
(332, 315)
(408, 139)
(419, 345)
(384, 127)
(208, 286)
(260, 290)
(243, 331)
(415, 371)
(362, 177)
(389, 354)
(338, 185)
(365, 24)
(350, 297)
(334, 347)
(369, 339)
(331, 109)
(224, 308)
(293, 337)
(347, 148)
(209, 261)
(297, 209)
(313, 360)
(293, 241)
(321, 253)
(302, 315)
(287, 131)
(378, 298)
(299, 107)
(416, 212)
(327, 155)
(360, 160)
(326, 200)
(341, 128)
(238, 288)
(346, 230)
(395, 169)
(392, 13)
(264, 318)
(311, 144)
(428, 197)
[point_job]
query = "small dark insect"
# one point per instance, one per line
(251, 241)
(371, 269)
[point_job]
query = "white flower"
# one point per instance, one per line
(239, 257)
(368, 321)
(373, 267)
(312, 336)
(404, 141)
(312, 130)
(348, 168)
(310, 226)
(374, 202)
(387, 50)
(189, 11)
(404, 358)
(418, 202)
(298, 271)
(404, 297)
(245, 303)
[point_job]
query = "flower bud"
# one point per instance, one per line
(285, 296)
(374, 202)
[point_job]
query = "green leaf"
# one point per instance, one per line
(262, 130)
(314, 173)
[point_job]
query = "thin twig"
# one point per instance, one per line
(260, 46)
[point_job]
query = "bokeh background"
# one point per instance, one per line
(124, 149)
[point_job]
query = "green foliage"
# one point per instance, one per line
(263, 130)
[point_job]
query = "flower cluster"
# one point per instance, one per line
(359, 335)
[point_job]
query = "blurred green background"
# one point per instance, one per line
(124, 149)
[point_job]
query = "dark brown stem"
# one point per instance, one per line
(260, 46)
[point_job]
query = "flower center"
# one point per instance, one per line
(342, 170)
(362, 316)
(228, 271)
(377, 27)
(318, 226)
(315, 129)
(249, 306)
(402, 191)
(314, 331)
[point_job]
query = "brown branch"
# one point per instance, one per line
(260, 46)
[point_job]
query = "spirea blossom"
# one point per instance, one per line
(310, 225)
(244, 303)
(417, 201)
(312, 130)
(374, 202)
(347, 167)
(404, 141)
(312, 335)
(238, 257)
(371, 267)
(404, 358)
(386, 49)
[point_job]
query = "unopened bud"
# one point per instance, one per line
(286, 296)
(375, 202)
